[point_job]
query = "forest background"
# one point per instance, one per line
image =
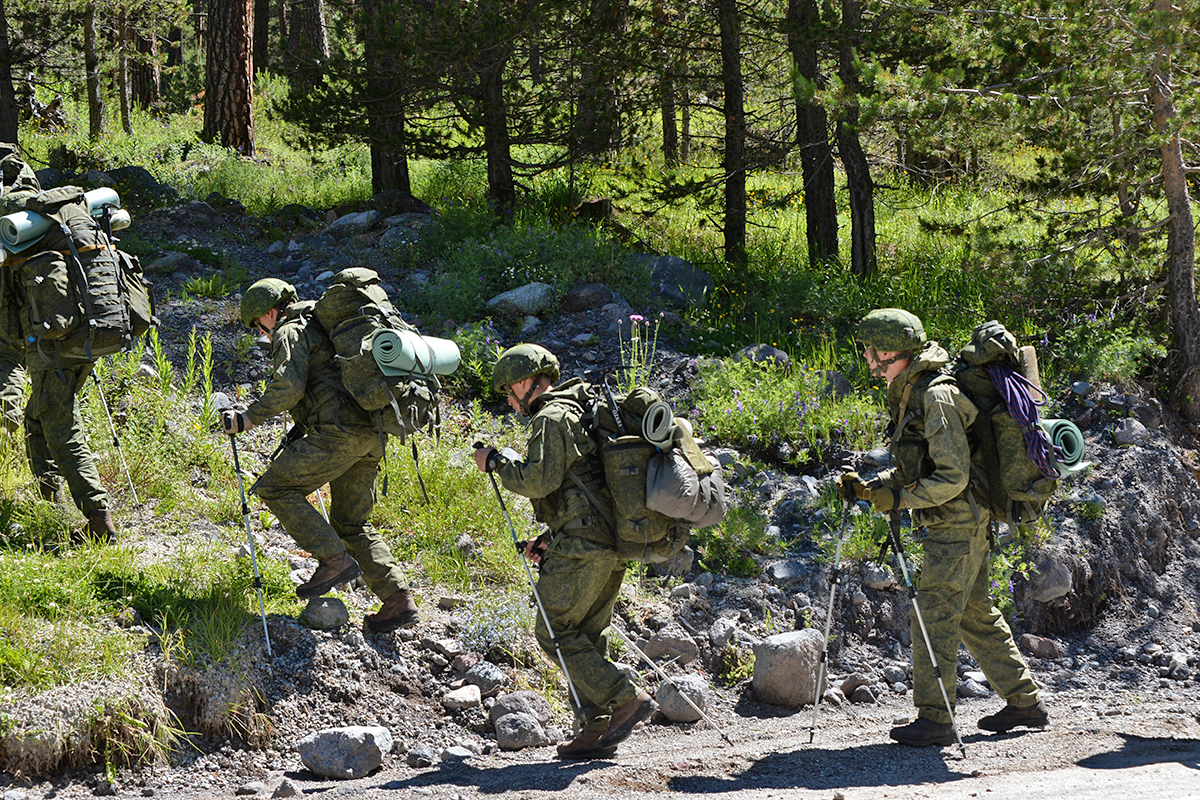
(1027, 161)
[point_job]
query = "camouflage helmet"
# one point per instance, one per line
(891, 330)
(264, 295)
(523, 361)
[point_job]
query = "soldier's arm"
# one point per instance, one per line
(289, 375)
(946, 434)
(551, 452)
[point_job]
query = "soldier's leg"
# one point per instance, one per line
(578, 587)
(941, 597)
(352, 497)
(12, 390)
(987, 636)
(305, 465)
(55, 439)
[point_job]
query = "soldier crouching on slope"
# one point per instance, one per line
(932, 457)
(340, 446)
(581, 573)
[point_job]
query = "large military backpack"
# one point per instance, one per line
(365, 329)
(660, 481)
(80, 297)
(1013, 462)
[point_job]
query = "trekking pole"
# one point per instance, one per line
(116, 442)
(417, 468)
(637, 651)
(894, 535)
(836, 578)
(250, 538)
(533, 585)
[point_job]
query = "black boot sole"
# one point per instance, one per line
(307, 592)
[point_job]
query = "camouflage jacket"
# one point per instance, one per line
(304, 378)
(930, 447)
(560, 442)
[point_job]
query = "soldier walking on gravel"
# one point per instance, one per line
(581, 572)
(339, 446)
(932, 475)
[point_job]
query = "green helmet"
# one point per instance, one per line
(891, 330)
(264, 295)
(523, 361)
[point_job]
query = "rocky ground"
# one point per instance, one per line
(1109, 622)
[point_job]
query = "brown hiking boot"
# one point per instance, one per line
(100, 525)
(625, 717)
(1009, 717)
(398, 611)
(586, 745)
(923, 733)
(331, 572)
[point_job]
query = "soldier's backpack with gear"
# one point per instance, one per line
(662, 484)
(1015, 465)
(79, 296)
(385, 364)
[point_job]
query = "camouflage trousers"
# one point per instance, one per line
(956, 604)
(348, 460)
(579, 584)
(54, 438)
(12, 390)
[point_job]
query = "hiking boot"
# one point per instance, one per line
(1009, 717)
(398, 611)
(331, 572)
(100, 525)
(625, 717)
(923, 733)
(586, 745)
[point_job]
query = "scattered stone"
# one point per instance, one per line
(352, 224)
(587, 297)
(466, 697)
(251, 788)
(325, 614)
(1049, 580)
(894, 674)
(456, 753)
(971, 688)
(763, 353)
(345, 753)
(464, 662)
(1039, 646)
(670, 697)
(285, 789)
(875, 576)
(672, 642)
(722, 632)
(106, 788)
(851, 683)
(487, 677)
(420, 756)
(863, 695)
(784, 667)
(451, 601)
(446, 647)
(519, 730)
(524, 702)
(524, 301)
(1130, 431)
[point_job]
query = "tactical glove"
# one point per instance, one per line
(851, 487)
(234, 422)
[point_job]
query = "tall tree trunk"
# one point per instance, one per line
(262, 35)
(229, 76)
(284, 24)
(854, 160)
(8, 94)
(502, 191)
(685, 121)
(124, 82)
(91, 68)
(147, 74)
(1181, 233)
(598, 123)
(389, 157)
(308, 42)
(734, 161)
(812, 137)
(666, 92)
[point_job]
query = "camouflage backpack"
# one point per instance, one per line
(79, 296)
(1012, 460)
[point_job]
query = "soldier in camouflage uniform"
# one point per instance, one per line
(581, 572)
(17, 184)
(932, 475)
(339, 446)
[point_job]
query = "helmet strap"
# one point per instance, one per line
(524, 402)
(881, 365)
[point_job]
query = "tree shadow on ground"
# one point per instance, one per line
(1141, 750)
(547, 776)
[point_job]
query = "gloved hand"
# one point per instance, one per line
(234, 422)
(852, 487)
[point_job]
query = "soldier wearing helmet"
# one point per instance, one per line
(338, 444)
(581, 572)
(931, 457)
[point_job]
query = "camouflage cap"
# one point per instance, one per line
(891, 330)
(264, 295)
(523, 361)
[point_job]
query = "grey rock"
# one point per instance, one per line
(1049, 580)
(1082, 388)
(528, 300)
(15, 794)
(1130, 431)
(863, 695)
(852, 682)
(894, 674)
(670, 698)
(420, 756)
(285, 789)
(524, 702)
(785, 666)
(519, 730)
(722, 632)
(468, 696)
(251, 788)
(487, 676)
(763, 353)
(877, 458)
(456, 753)
(672, 642)
(679, 282)
(676, 566)
(398, 238)
(971, 688)
(784, 572)
(352, 224)
(1039, 646)
(345, 753)
(875, 576)
(587, 297)
(325, 614)
(276, 248)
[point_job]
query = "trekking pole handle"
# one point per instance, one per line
(616, 411)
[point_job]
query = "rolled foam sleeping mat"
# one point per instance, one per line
(20, 230)
(410, 353)
(658, 425)
(1067, 439)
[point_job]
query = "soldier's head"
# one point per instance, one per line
(263, 301)
(889, 336)
(523, 372)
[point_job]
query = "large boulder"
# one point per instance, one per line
(679, 282)
(672, 698)
(524, 301)
(785, 667)
(345, 753)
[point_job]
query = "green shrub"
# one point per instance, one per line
(736, 544)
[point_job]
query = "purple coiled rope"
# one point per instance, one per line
(1017, 392)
